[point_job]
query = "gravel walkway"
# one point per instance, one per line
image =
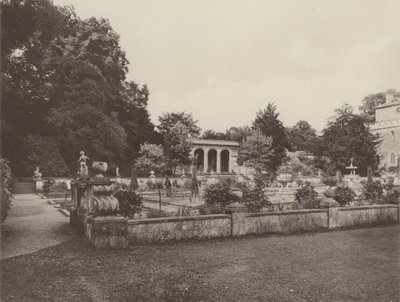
(33, 224)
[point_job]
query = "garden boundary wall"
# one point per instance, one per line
(121, 232)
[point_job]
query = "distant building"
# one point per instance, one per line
(215, 156)
(387, 126)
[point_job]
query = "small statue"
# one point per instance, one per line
(82, 162)
(117, 172)
(37, 176)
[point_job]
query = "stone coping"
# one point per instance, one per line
(291, 212)
(101, 219)
(178, 219)
(372, 206)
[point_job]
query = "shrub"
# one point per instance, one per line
(307, 197)
(220, 194)
(129, 202)
(158, 185)
(175, 183)
(52, 188)
(44, 152)
(329, 180)
(343, 195)
(133, 185)
(373, 192)
(393, 196)
(6, 195)
(153, 213)
(253, 196)
(209, 209)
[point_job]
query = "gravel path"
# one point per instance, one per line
(33, 224)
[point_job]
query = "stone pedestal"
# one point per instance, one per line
(82, 192)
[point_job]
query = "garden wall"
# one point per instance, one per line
(176, 228)
(120, 232)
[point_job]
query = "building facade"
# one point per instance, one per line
(387, 126)
(215, 156)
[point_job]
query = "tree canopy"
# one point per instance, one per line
(65, 78)
(177, 128)
(257, 152)
(268, 123)
(302, 137)
(347, 136)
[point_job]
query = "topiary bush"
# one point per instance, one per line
(153, 213)
(329, 180)
(129, 202)
(220, 194)
(343, 195)
(253, 196)
(307, 197)
(5, 182)
(209, 209)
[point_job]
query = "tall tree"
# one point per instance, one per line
(151, 158)
(257, 152)
(302, 137)
(238, 134)
(268, 123)
(347, 136)
(210, 134)
(170, 119)
(369, 104)
(177, 128)
(65, 78)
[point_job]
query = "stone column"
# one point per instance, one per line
(90, 199)
(218, 161)
(205, 160)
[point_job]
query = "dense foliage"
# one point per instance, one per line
(177, 128)
(268, 123)
(302, 137)
(5, 181)
(64, 80)
(151, 158)
(343, 195)
(129, 202)
(347, 136)
(256, 151)
(219, 194)
(306, 196)
(253, 196)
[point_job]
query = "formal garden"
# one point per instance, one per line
(83, 105)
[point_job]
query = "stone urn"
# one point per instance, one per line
(99, 167)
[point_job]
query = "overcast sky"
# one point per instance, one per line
(225, 60)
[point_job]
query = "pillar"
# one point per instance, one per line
(90, 199)
(205, 160)
(218, 161)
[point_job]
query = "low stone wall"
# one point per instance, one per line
(364, 215)
(120, 232)
(176, 228)
(279, 222)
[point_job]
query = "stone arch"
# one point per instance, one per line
(199, 154)
(225, 161)
(212, 160)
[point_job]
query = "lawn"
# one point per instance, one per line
(351, 265)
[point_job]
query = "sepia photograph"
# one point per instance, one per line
(199, 150)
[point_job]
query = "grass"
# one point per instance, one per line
(351, 265)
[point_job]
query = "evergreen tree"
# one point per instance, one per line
(268, 123)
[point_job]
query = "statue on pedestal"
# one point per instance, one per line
(82, 163)
(37, 176)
